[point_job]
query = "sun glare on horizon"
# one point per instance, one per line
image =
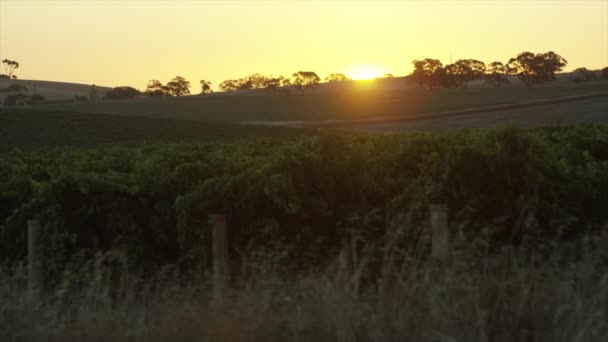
(365, 72)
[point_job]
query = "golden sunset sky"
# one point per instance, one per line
(129, 42)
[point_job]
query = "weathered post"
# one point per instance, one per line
(220, 255)
(34, 256)
(441, 234)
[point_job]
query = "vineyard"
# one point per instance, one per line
(304, 196)
(127, 241)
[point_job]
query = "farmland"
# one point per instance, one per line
(348, 171)
(35, 129)
(124, 190)
(127, 236)
(221, 118)
(361, 100)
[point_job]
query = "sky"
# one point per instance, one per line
(129, 42)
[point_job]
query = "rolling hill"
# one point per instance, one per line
(366, 100)
(53, 91)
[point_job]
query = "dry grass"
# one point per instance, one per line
(507, 297)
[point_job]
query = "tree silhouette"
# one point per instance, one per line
(178, 86)
(156, 89)
(205, 87)
(336, 77)
(465, 70)
(257, 81)
(10, 67)
(496, 74)
(273, 83)
(388, 76)
(305, 79)
(122, 93)
(536, 69)
(229, 85)
(428, 72)
(253, 81)
(285, 81)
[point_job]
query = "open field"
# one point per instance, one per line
(362, 102)
(56, 125)
(40, 129)
(588, 110)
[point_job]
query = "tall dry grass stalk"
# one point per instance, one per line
(506, 297)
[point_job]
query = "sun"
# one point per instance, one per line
(365, 72)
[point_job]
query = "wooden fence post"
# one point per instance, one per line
(35, 275)
(220, 255)
(440, 232)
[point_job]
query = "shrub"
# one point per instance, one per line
(583, 75)
(121, 93)
(16, 100)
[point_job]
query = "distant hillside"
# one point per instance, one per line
(54, 90)
(350, 104)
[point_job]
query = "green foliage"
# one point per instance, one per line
(305, 196)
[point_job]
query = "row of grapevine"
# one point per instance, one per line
(304, 196)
